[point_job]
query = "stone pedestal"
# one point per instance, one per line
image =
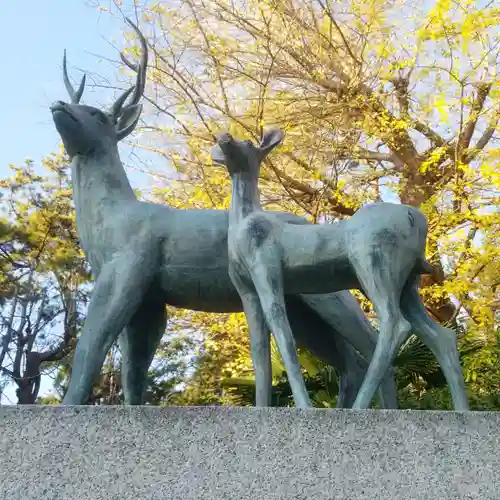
(149, 453)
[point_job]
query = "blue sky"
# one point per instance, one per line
(33, 38)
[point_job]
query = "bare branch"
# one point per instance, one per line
(211, 55)
(361, 154)
(401, 85)
(484, 139)
(7, 339)
(425, 130)
(465, 136)
(347, 46)
(334, 203)
(70, 329)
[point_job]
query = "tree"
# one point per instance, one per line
(380, 100)
(43, 275)
(216, 347)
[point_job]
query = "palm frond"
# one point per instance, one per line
(323, 399)
(416, 358)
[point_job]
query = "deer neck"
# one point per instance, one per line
(245, 197)
(100, 184)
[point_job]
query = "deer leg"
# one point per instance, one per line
(260, 347)
(138, 343)
(388, 390)
(382, 286)
(346, 318)
(351, 377)
(346, 327)
(117, 294)
(335, 351)
(351, 380)
(267, 278)
(324, 342)
(440, 340)
(260, 340)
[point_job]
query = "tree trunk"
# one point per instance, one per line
(28, 386)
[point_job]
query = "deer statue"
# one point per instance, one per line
(145, 256)
(380, 250)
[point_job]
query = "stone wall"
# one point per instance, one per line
(149, 453)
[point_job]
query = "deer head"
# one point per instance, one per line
(87, 130)
(243, 156)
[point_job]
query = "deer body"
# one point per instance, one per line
(321, 258)
(380, 250)
(144, 256)
(191, 270)
(192, 244)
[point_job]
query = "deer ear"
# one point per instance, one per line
(128, 120)
(270, 140)
(218, 155)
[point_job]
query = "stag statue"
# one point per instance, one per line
(145, 256)
(380, 250)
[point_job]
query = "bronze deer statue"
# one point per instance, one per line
(144, 256)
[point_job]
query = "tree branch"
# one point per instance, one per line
(425, 130)
(70, 331)
(483, 141)
(362, 154)
(401, 85)
(7, 338)
(334, 203)
(465, 136)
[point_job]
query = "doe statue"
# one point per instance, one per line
(380, 250)
(145, 256)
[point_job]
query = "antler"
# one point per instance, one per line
(140, 69)
(75, 96)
